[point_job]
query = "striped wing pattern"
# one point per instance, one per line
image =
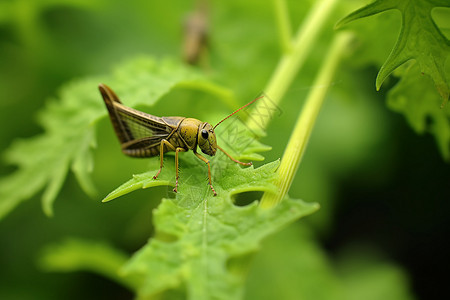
(140, 130)
(136, 130)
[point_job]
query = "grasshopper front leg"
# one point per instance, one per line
(161, 153)
(209, 170)
(179, 149)
(161, 156)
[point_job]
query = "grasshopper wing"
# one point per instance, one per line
(139, 133)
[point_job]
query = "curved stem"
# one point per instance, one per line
(291, 62)
(305, 123)
(283, 24)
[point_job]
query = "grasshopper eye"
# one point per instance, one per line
(204, 134)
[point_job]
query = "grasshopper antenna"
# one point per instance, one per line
(238, 110)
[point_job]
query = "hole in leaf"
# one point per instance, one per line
(247, 198)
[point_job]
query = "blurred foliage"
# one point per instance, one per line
(419, 39)
(381, 188)
(356, 274)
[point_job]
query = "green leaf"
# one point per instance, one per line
(423, 113)
(69, 129)
(419, 39)
(79, 255)
(141, 181)
(291, 265)
(367, 275)
(200, 240)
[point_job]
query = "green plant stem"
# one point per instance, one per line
(291, 62)
(305, 123)
(283, 24)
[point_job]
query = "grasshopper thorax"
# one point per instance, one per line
(206, 139)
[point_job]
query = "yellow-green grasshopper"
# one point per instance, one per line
(144, 135)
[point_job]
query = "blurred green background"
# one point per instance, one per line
(383, 190)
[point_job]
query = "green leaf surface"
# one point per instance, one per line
(198, 237)
(69, 124)
(380, 280)
(292, 265)
(423, 113)
(80, 255)
(419, 39)
(368, 275)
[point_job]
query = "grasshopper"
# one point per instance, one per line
(144, 135)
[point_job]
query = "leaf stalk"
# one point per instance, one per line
(291, 61)
(305, 123)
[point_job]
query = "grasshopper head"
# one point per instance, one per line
(207, 139)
